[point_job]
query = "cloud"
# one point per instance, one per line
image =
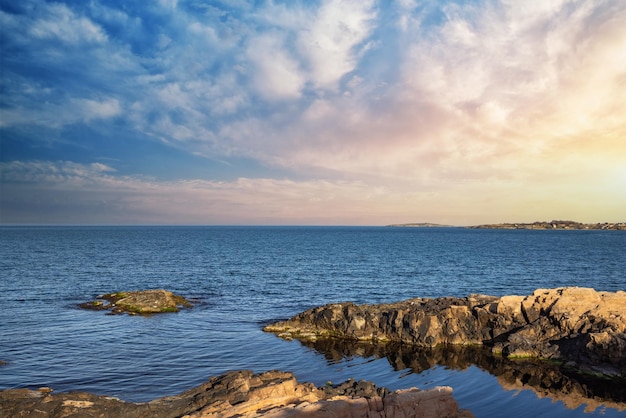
(56, 115)
(58, 22)
(55, 192)
(92, 193)
(330, 42)
(276, 73)
(494, 82)
(419, 101)
(51, 172)
(94, 109)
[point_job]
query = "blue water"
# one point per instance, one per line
(245, 277)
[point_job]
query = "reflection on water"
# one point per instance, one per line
(546, 379)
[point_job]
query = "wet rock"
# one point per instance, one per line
(578, 325)
(143, 302)
(272, 394)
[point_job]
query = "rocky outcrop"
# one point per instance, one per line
(579, 326)
(244, 394)
(144, 302)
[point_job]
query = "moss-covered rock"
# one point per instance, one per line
(143, 302)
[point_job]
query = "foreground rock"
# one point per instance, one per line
(578, 326)
(244, 394)
(143, 302)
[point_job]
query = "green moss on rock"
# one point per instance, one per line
(142, 302)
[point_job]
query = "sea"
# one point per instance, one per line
(244, 277)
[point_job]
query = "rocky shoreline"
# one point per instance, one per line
(568, 344)
(579, 327)
(538, 225)
(272, 394)
(559, 225)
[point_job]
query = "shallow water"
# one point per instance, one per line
(244, 277)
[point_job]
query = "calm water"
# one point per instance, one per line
(244, 277)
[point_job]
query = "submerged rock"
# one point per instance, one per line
(138, 302)
(580, 326)
(272, 394)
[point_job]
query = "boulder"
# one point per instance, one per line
(576, 325)
(144, 302)
(272, 394)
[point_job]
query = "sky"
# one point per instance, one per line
(329, 112)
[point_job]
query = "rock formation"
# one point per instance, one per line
(143, 302)
(244, 394)
(578, 326)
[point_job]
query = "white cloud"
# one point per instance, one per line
(50, 172)
(95, 109)
(59, 22)
(169, 5)
(47, 192)
(276, 73)
(330, 42)
(481, 97)
(503, 81)
(498, 93)
(90, 193)
(56, 115)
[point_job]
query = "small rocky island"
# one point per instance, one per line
(244, 394)
(578, 327)
(142, 302)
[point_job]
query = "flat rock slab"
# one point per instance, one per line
(143, 302)
(579, 326)
(271, 394)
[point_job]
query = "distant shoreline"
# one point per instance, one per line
(423, 225)
(538, 225)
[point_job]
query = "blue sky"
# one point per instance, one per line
(312, 112)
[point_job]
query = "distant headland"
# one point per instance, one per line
(423, 225)
(538, 225)
(556, 225)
